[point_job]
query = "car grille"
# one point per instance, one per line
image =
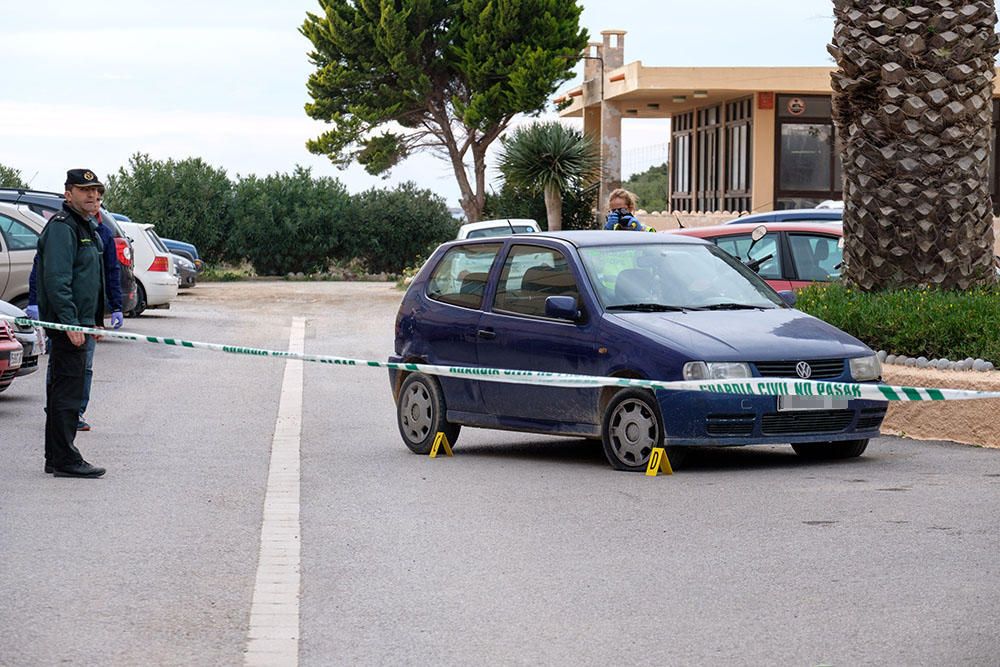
(5, 332)
(29, 362)
(729, 425)
(7, 375)
(821, 368)
(871, 419)
(810, 421)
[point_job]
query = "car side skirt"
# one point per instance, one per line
(480, 420)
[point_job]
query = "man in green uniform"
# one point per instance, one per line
(70, 291)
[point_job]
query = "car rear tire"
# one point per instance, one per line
(818, 451)
(140, 300)
(631, 428)
(420, 413)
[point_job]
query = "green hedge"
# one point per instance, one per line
(392, 228)
(283, 223)
(291, 223)
(935, 324)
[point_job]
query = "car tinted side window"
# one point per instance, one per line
(460, 277)
(738, 245)
(815, 257)
(529, 276)
(17, 235)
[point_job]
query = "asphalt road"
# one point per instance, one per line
(521, 549)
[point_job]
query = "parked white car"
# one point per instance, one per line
(502, 227)
(155, 275)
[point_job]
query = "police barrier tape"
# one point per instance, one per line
(741, 386)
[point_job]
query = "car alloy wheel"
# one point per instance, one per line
(631, 428)
(420, 411)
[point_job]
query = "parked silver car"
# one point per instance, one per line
(19, 231)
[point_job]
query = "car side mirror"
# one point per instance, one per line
(788, 296)
(562, 307)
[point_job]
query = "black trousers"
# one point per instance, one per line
(63, 397)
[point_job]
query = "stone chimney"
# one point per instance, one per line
(613, 49)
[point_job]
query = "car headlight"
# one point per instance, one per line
(866, 368)
(715, 370)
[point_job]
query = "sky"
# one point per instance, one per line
(90, 84)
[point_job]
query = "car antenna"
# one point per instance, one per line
(680, 225)
(509, 224)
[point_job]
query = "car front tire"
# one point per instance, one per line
(420, 413)
(820, 451)
(632, 427)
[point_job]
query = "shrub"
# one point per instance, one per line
(187, 200)
(394, 228)
(291, 223)
(933, 323)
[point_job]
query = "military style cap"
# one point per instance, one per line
(82, 178)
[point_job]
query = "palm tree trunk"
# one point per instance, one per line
(913, 108)
(553, 207)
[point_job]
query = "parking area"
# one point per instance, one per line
(520, 549)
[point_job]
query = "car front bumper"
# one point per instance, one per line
(701, 418)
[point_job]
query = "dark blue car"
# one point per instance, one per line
(617, 304)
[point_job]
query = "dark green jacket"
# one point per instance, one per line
(70, 271)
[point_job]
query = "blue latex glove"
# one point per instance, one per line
(612, 220)
(117, 319)
(32, 311)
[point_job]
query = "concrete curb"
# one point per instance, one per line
(967, 422)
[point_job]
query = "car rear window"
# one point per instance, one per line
(157, 243)
(503, 230)
(460, 277)
(18, 235)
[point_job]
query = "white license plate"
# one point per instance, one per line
(790, 403)
(15, 358)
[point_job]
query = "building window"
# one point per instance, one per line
(681, 143)
(739, 123)
(708, 196)
(711, 157)
(807, 161)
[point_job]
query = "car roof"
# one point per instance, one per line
(835, 228)
(582, 238)
(791, 214)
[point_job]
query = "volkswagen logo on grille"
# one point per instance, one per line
(803, 369)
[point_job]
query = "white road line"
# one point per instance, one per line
(273, 637)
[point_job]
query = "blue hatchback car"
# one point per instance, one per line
(616, 304)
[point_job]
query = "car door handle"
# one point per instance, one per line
(487, 334)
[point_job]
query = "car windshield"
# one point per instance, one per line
(666, 277)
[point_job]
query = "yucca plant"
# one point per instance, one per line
(913, 107)
(549, 158)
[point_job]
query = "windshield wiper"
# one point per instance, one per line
(733, 306)
(649, 307)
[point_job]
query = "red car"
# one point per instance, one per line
(10, 355)
(797, 253)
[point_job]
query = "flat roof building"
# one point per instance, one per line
(741, 138)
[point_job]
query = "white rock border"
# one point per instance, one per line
(967, 364)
